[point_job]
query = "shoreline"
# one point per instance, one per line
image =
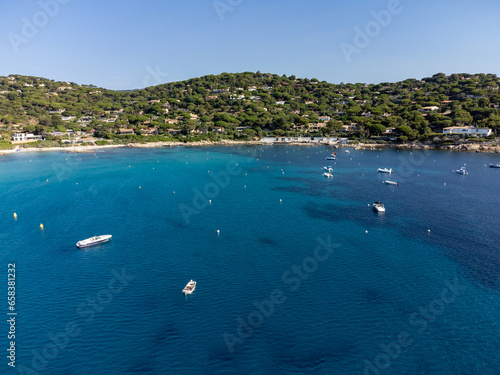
(412, 146)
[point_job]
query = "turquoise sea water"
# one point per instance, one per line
(303, 277)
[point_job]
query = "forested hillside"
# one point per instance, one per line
(253, 104)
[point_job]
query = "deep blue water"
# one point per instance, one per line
(331, 314)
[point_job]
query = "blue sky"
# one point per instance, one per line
(129, 44)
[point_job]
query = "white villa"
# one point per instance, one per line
(23, 137)
(467, 130)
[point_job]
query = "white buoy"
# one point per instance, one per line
(218, 231)
(281, 200)
(428, 230)
(210, 201)
(366, 231)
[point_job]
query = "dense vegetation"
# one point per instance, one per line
(244, 105)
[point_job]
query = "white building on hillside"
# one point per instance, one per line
(23, 137)
(467, 130)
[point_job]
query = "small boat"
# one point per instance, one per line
(497, 165)
(347, 151)
(189, 288)
(329, 175)
(93, 241)
(378, 206)
(331, 158)
(462, 171)
(329, 168)
(384, 170)
(387, 182)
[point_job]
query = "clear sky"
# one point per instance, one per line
(130, 44)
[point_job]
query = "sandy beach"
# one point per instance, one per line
(492, 148)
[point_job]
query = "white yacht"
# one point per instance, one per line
(329, 175)
(387, 182)
(384, 170)
(189, 288)
(497, 165)
(462, 171)
(378, 206)
(93, 241)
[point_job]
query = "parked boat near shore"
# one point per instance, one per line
(378, 206)
(385, 170)
(387, 182)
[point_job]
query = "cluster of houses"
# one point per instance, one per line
(452, 130)
(70, 134)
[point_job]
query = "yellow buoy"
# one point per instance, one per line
(15, 216)
(41, 226)
(139, 187)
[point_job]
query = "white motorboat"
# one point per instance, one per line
(347, 151)
(93, 241)
(384, 170)
(329, 175)
(189, 288)
(331, 158)
(378, 206)
(387, 182)
(462, 171)
(329, 169)
(497, 165)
